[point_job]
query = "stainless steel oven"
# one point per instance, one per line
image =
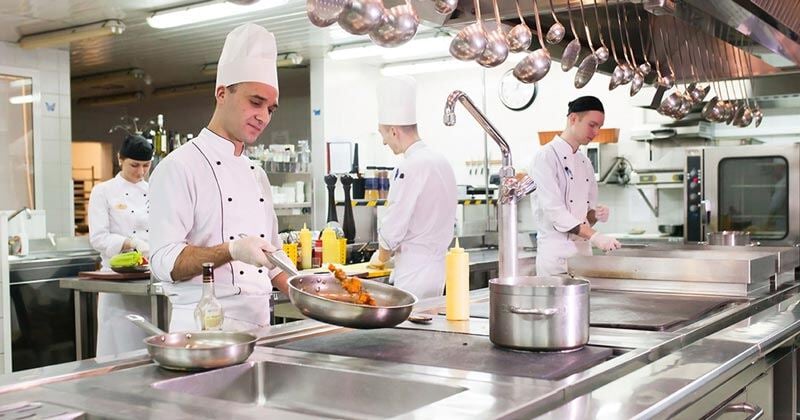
(746, 188)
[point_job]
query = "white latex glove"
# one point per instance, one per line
(604, 242)
(375, 262)
(250, 250)
(601, 213)
(141, 246)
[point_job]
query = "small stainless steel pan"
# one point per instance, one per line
(195, 350)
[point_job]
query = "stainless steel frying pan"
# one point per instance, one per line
(319, 296)
(195, 350)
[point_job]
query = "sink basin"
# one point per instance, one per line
(317, 391)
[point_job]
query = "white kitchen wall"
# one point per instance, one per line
(53, 141)
(349, 113)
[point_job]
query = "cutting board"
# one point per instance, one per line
(369, 272)
(110, 275)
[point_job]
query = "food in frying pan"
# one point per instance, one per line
(353, 286)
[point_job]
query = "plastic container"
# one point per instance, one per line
(306, 248)
(457, 284)
(291, 252)
(330, 247)
(342, 250)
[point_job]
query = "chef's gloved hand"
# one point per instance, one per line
(604, 242)
(250, 250)
(141, 245)
(601, 213)
(375, 262)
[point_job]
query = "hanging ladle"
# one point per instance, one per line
(588, 66)
(645, 67)
(535, 65)
(758, 115)
(556, 32)
(470, 42)
(519, 37)
(601, 53)
(637, 81)
(496, 50)
(618, 74)
(627, 68)
(573, 49)
(662, 80)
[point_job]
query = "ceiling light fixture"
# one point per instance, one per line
(76, 33)
(429, 66)
(201, 12)
(284, 60)
(103, 79)
(21, 99)
(122, 98)
(421, 47)
(170, 91)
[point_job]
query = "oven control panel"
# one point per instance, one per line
(694, 198)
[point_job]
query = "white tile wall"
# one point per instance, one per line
(54, 129)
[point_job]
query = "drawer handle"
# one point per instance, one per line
(755, 411)
(533, 311)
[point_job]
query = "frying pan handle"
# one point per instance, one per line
(143, 324)
(281, 260)
(533, 311)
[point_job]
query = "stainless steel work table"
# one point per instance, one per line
(85, 291)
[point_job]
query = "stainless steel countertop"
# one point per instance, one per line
(125, 287)
(122, 387)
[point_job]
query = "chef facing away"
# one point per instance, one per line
(565, 202)
(209, 203)
(420, 217)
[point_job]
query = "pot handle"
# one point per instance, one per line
(143, 324)
(533, 311)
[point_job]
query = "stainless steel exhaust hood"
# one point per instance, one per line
(772, 25)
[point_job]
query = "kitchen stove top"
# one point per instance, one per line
(453, 351)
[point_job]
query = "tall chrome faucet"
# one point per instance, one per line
(512, 188)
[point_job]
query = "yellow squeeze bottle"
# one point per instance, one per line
(457, 284)
(330, 247)
(305, 248)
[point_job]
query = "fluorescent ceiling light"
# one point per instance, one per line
(22, 99)
(119, 76)
(122, 98)
(170, 91)
(421, 47)
(201, 12)
(77, 33)
(284, 60)
(18, 83)
(429, 66)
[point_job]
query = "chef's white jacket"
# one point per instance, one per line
(118, 209)
(418, 223)
(204, 195)
(566, 191)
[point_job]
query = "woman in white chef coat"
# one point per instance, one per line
(419, 220)
(211, 204)
(118, 222)
(565, 201)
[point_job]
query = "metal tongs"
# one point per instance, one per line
(280, 259)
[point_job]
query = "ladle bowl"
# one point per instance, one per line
(468, 43)
(533, 67)
(496, 50)
(398, 26)
(445, 7)
(586, 70)
(637, 82)
(359, 17)
(519, 38)
(324, 13)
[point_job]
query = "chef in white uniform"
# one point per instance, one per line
(565, 202)
(205, 194)
(420, 217)
(118, 212)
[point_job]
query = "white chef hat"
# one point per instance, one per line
(397, 101)
(249, 55)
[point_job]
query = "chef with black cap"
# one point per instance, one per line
(118, 222)
(210, 203)
(565, 202)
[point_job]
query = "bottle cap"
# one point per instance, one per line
(456, 248)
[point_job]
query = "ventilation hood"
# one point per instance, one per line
(764, 27)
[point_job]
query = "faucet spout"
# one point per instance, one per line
(450, 120)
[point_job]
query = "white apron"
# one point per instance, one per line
(226, 196)
(118, 210)
(566, 191)
(419, 221)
